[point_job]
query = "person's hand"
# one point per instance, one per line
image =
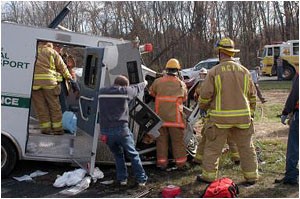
(203, 113)
(146, 82)
(75, 86)
(283, 119)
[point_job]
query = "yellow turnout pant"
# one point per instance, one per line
(47, 107)
(176, 136)
(215, 140)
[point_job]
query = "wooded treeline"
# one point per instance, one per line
(186, 30)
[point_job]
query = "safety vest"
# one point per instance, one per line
(229, 95)
(49, 69)
(170, 93)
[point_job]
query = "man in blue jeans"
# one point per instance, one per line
(292, 154)
(114, 116)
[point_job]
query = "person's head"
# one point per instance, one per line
(276, 52)
(49, 44)
(45, 44)
(202, 73)
(121, 80)
(57, 47)
(173, 66)
(225, 48)
(71, 62)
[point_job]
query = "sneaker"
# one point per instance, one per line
(123, 182)
(142, 184)
(287, 182)
(200, 179)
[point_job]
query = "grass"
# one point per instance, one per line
(279, 85)
(268, 112)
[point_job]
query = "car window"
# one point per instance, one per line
(198, 66)
(211, 64)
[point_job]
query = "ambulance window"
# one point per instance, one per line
(133, 75)
(90, 76)
(270, 52)
(295, 48)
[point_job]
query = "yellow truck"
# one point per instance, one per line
(289, 52)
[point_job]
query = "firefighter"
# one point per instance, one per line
(46, 88)
(231, 145)
(170, 93)
(228, 96)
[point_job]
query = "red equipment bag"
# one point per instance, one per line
(221, 188)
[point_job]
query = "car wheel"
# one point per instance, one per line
(8, 157)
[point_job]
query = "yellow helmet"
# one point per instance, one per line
(173, 64)
(226, 44)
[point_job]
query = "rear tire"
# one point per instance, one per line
(8, 157)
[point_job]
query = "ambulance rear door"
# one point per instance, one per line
(87, 120)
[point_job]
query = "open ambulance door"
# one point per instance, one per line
(87, 118)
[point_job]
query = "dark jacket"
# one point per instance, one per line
(293, 99)
(113, 104)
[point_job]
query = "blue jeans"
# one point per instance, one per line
(120, 140)
(279, 73)
(292, 154)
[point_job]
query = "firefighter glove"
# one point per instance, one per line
(283, 119)
(75, 86)
(203, 113)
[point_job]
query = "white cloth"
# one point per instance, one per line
(254, 76)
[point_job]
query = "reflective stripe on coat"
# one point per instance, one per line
(170, 93)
